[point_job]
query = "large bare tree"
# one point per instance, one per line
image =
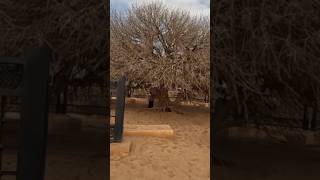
(163, 48)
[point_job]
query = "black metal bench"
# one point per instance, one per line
(27, 78)
(117, 89)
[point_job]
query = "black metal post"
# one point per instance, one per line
(33, 133)
(314, 116)
(305, 121)
(2, 116)
(120, 104)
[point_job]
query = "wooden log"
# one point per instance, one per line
(163, 130)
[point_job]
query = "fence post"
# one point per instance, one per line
(118, 128)
(314, 116)
(34, 124)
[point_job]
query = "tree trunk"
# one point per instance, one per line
(153, 94)
(206, 98)
(75, 92)
(129, 89)
(305, 123)
(151, 102)
(129, 92)
(184, 94)
(162, 95)
(61, 104)
(65, 100)
(179, 98)
(164, 100)
(58, 103)
(3, 105)
(314, 116)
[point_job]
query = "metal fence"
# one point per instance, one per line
(282, 117)
(85, 102)
(27, 78)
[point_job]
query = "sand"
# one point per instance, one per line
(76, 147)
(76, 150)
(186, 156)
(73, 153)
(263, 161)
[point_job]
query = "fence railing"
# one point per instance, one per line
(27, 78)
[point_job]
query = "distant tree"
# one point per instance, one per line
(75, 31)
(267, 52)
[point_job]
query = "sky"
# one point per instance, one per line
(195, 7)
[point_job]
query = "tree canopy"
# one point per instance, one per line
(162, 47)
(75, 30)
(266, 49)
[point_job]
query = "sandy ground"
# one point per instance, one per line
(76, 147)
(264, 161)
(77, 152)
(73, 153)
(186, 156)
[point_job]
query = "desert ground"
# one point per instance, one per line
(186, 156)
(76, 146)
(76, 150)
(73, 153)
(266, 161)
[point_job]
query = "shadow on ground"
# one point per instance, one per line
(267, 161)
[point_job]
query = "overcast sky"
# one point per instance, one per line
(195, 7)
